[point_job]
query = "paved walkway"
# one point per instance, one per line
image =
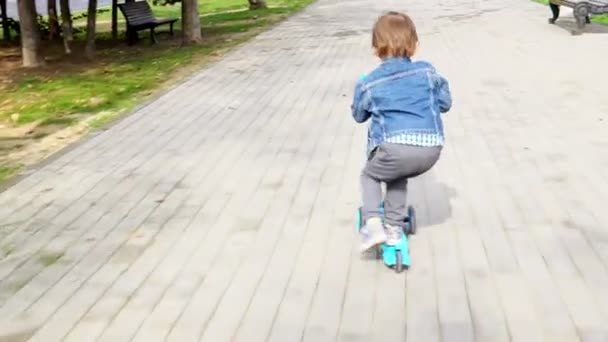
(224, 210)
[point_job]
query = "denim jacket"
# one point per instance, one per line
(404, 100)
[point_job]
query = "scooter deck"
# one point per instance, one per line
(389, 253)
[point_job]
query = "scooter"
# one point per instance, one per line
(395, 257)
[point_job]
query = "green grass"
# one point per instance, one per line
(103, 119)
(55, 100)
(600, 19)
(17, 285)
(215, 10)
(7, 172)
(49, 258)
(209, 6)
(6, 250)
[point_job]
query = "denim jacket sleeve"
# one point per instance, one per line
(361, 103)
(443, 93)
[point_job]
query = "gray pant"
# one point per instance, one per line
(393, 164)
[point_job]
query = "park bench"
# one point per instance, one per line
(582, 10)
(139, 17)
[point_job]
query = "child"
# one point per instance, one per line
(404, 100)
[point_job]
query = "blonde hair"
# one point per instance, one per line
(394, 36)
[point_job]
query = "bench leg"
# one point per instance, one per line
(171, 29)
(131, 37)
(555, 12)
(580, 25)
(153, 39)
(581, 14)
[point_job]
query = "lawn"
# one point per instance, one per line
(70, 90)
(7, 171)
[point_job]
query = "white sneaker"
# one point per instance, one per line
(393, 235)
(372, 234)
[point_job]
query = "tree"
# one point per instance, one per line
(53, 21)
(66, 25)
(30, 34)
(191, 24)
(257, 4)
(89, 49)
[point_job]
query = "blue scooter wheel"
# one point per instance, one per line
(411, 220)
(399, 262)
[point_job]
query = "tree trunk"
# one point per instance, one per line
(53, 21)
(257, 4)
(66, 24)
(30, 35)
(191, 24)
(89, 50)
(114, 19)
(6, 31)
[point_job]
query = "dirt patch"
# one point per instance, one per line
(42, 143)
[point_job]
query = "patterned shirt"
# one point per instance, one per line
(425, 140)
